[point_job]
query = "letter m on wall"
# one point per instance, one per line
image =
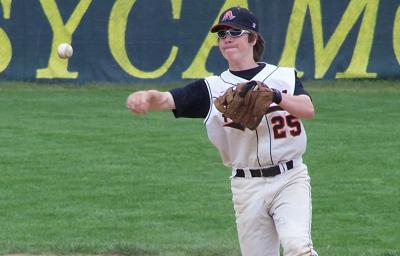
(324, 53)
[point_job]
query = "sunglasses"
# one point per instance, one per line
(232, 33)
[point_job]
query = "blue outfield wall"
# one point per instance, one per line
(169, 40)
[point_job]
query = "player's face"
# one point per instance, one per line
(235, 45)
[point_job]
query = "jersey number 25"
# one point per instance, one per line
(279, 124)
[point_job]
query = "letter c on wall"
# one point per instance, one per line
(5, 50)
(396, 35)
(116, 38)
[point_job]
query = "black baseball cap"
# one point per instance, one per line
(236, 17)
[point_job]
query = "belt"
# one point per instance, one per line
(265, 172)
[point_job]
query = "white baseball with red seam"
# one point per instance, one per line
(65, 51)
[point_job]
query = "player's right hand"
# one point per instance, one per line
(138, 102)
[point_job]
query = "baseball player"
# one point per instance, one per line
(270, 183)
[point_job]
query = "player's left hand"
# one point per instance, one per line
(246, 103)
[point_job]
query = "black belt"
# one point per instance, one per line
(265, 172)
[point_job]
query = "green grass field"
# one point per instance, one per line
(79, 174)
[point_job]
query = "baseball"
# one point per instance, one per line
(65, 51)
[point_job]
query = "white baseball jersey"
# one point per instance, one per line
(280, 137)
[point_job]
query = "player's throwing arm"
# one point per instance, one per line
(143, 101)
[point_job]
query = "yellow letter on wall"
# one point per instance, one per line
(5, 50)
(5, 44)
(359, 61)
(176, 8)
(396, 35)
(325, 53)
(198, 67)
(57, 68)
(6, 8)
(293, 35)
(116, 39)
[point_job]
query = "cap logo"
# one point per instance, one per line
(228, 16)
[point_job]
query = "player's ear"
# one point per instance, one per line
(253, 38)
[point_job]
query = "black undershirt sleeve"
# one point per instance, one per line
(299, 88)
(192, 100)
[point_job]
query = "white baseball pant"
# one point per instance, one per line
(274, 211)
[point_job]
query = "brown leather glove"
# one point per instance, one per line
(246, 103)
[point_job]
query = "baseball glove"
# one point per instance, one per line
(246, 103)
